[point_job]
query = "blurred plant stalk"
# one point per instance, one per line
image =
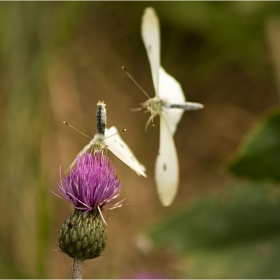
(273, 37)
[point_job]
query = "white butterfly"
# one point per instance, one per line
(110, 139)
(169, 103)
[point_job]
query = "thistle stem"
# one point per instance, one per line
(77, 269)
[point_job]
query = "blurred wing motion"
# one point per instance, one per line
(150, 34)
(119, 148)
(171, 92)
(167, 168)
(169, 103)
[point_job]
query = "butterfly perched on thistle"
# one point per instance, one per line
(109, 138)
(169, 103)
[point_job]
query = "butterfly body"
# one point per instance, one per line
(154, 105)
(101, 118)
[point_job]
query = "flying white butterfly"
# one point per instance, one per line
(110, 139)
(169, 103)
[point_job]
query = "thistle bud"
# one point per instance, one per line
(83, 235)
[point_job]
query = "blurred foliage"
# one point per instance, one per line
(259, 155)
(235, 235)
(218, 48)
(242, 215)
(233, 30)
(25, 37)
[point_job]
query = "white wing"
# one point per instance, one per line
(83, 151)
(119, 148)
(167, 167)
(151, 37)
(171, 92)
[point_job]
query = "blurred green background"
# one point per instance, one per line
(57, 59)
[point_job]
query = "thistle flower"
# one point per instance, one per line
(91, 185)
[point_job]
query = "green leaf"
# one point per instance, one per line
(258, 158)
(226, 236)
(257, 259)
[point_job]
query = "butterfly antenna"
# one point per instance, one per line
(153, 124)
(76, 129)
(124, 130)
(124, 69)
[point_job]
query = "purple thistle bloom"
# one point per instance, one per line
(91, 184)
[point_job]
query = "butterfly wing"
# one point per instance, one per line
(119, 148)
(151, 36)
(82, 152)
(167, 167)
(171, 92)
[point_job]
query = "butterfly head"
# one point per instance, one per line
(155, 106)
(97, 144)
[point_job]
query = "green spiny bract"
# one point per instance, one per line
(83, 235)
